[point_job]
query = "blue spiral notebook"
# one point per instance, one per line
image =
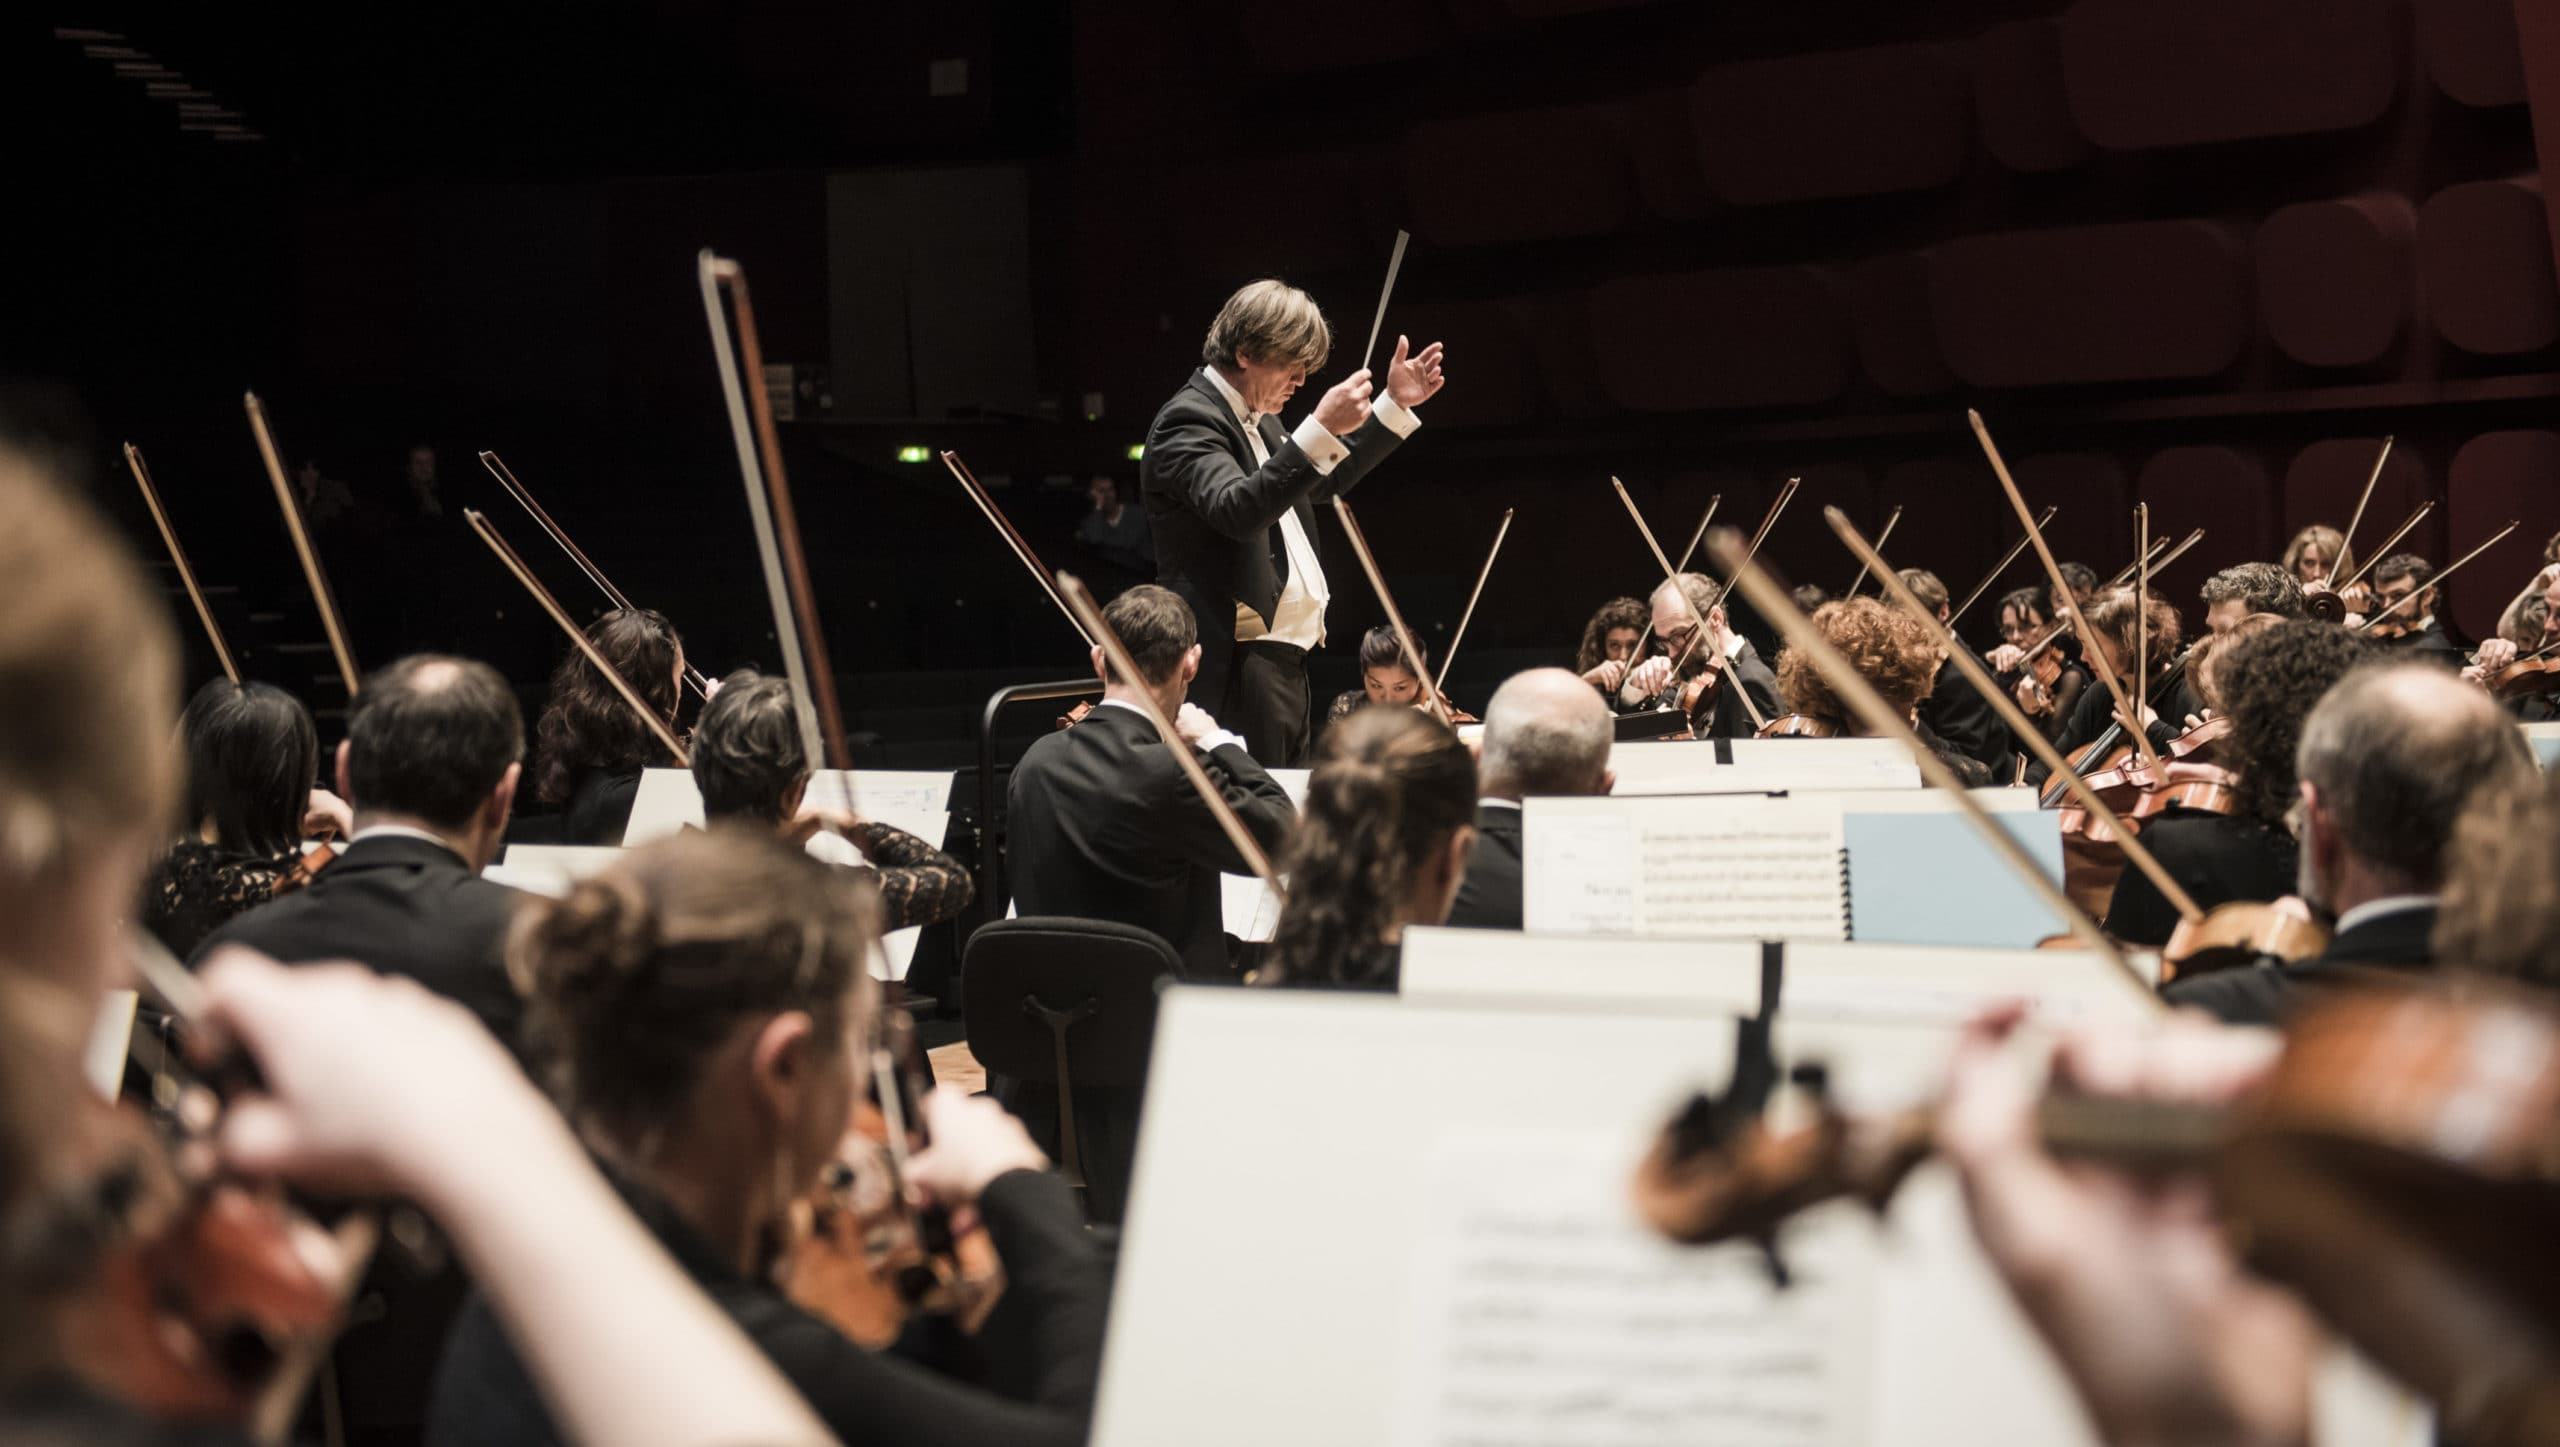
(1930, 879)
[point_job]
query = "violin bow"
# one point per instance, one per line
(1997, 569)
(524, 497)
(479, 523)
(327, 601)
(2009, 713)
(1882, 721)
(1636, 654)
(2141, 611)
(2159, 560)
(2389, 543)
(1671, 577)
(2347, 543)
(2062, 598)
(1395, 263)
(1089, 616)
(1451, 655)
(2161, 564)
(2437, 581)
(1013, 539)
(1395, 619)
(1882, 537)
(786, 568)
(178, 555)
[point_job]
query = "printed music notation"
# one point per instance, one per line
(1543, 1315)
(1747, 868)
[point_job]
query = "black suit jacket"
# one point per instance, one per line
(1731, 720)
(1216, 516)
(2431, 644)
(1101, 823)
(2266, 994)
(1489, 897)
(1957, 714)
(405, 907)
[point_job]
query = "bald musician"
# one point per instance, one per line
(1546, 733)
(1230, 494)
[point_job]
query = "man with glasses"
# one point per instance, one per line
(1697, 643)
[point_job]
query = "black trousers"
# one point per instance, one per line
(1267, 702)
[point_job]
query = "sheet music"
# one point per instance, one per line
(1250, 909)
(1542, 1314)
(1748, 868)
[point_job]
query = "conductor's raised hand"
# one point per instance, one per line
(1413, 380)
(1346, 405)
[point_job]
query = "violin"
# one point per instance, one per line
(2396, 1168)
(305, 869)
(2243, 932)
(1076, 715)
(2532, 676)
(1799, 726)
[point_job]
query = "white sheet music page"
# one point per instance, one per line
(1541, 1313)
(1738, 868)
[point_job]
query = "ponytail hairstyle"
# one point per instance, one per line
(1390, 786)
(635, 976)
(587, 724)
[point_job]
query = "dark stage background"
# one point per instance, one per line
(2199, 252)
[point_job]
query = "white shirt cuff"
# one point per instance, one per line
(1219, 739)
(1400, 419)
(1321, 447)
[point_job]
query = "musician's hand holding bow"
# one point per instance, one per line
(2493, 655)
(2130, 1280)
(1607, 676)
(1194, 724)
(1414, 380)
(326, 816)
(2005, 658)
(1650, 677)
(975, 1140)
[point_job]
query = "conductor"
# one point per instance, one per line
(1229, 492)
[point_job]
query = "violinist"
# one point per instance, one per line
(1953, 712)
(2112, 618)
(2498, 653)
(588, 747)
(752, 769)
(2389, 760)
(251, 756)
(2514, 625)
(2266, 678)
(1712, 662)
(1390, 817)
(1895, 653)
(2247, 589)
(2084, 588)
(1386, 677)
(704, 1009)
(2413, 628)
(367, 1087)
(2315, 553)
(1545, 734)
(2049, 701)
(1609, 643)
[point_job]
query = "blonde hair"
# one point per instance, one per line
(1269, 321)
(88, 741)
(2333, 550)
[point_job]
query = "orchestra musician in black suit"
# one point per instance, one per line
(1103, 824)
(1690, 621)
(1229, 493)
(1546, 733)
(2405, 603)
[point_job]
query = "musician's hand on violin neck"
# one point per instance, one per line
(2130, 1281)
(326, 816)
(371, 1086)
(975, 1140)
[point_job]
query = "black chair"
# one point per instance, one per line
(1062, 1013)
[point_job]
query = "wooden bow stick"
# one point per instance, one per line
(2173, 555)
(178, 556)
(1979, 677)
(2389, 543)
(2438, 580)
(2141, 610)
(786, 567)
(1635, 655)
(1395, 263)
(1997, 569)
(1013, 539)
(498, 469)
(1088, 616)
(1882, 538)
(1451, 655)
(2062, 598)
(1433, 704)
(1883, 721)
(479, 523)
(327, 601)
(2347, 542)
(1671, 576)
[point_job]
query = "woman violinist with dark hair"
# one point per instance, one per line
(252, 756)
(1609, 644)
(588, 749)
(1381, 843)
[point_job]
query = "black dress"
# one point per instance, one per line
(197, 888)
(599, 808)
(1043, 1340)
(2217, 858)
(918, 883)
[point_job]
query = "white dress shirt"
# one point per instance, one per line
(1299, 616)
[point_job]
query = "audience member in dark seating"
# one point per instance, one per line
(589, 746)
(1546, 733)
(252, 757)
(752, 767)
(2389, 760)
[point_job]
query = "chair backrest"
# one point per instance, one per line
(1064, 964)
